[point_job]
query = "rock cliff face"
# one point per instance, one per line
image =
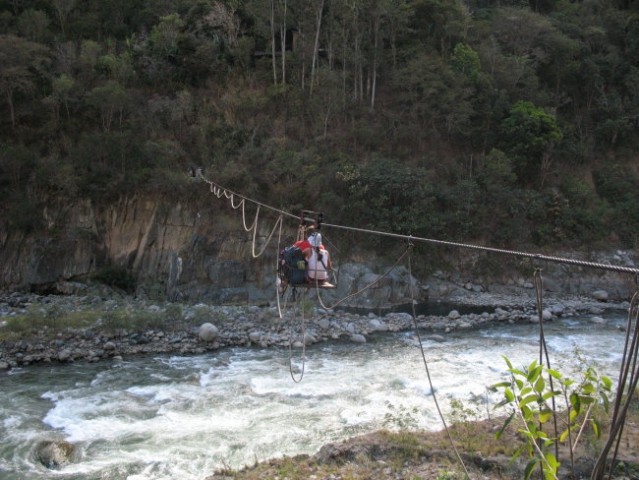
(182, 252)
(159, 243)
(201, 252)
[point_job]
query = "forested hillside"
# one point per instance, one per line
(507, 122)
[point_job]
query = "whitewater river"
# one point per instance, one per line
(184, 417)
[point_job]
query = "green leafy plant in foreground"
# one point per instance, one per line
(465, 419)
(532, 394)
(400, 417)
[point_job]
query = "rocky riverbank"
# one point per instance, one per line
(46, 329)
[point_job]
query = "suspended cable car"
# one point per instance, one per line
(306, 263)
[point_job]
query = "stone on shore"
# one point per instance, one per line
(208, 332)
(358, 338)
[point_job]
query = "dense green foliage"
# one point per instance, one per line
(506, 122)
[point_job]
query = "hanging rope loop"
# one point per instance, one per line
(298, 305)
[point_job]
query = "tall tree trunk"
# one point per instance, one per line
(283, 40)
(344, 69)
(316, 44)
(374, 69)
(273, 42)
(11, 109)
(303, 57)
(357, 70)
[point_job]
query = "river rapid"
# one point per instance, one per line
(172, 417)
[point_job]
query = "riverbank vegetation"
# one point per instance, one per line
(47, 321)
(504, 122)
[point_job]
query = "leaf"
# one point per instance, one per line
(540, 384)
(527, 412)
(528, 399)
(552, 462)
(518, 372)
(510, 396)
(533, 373)
(527, 434)
(532, 365)
(596, 427)
(510, 365)
(504, 426)
(573, 415)
(607, 382)
(530, 468)
(564, 435)
(575, 402)
(545, 415)
(554, 373)
(499, 385)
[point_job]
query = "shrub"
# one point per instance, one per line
(116, 276)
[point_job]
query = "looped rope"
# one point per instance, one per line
(235, 207)
(298, 304)
(268, 239)
(254, 224)
(219, 192)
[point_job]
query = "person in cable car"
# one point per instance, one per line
(317, 257)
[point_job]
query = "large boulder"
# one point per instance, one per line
(208, 332)
(54, 453)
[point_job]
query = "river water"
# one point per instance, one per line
(184, 417)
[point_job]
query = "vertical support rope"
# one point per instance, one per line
(626, 388)
(430, 380)
(543, 347)
(278, 291)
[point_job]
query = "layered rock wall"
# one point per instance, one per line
(193, 252)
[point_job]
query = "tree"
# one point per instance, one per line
(440, 24)
(63, 8)
(62, 88)
(435, 96)
(529, 133)
(23, 64)
(466, 60)
(34, 25)
(318, 26)
(111, 100)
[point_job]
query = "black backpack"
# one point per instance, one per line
(291, 259)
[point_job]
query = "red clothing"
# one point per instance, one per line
(303, 245)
